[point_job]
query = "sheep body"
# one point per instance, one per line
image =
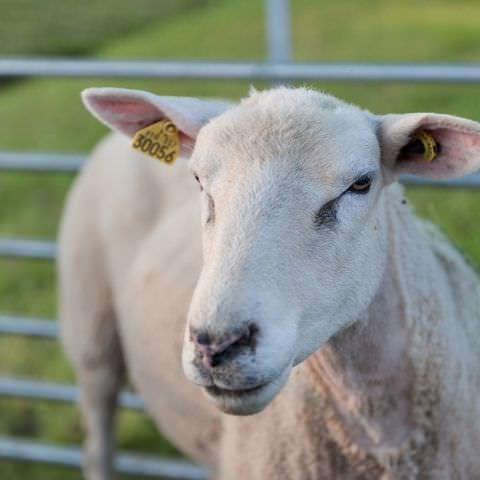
(393, 397)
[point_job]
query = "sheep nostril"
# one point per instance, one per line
(215, 360)
(202, 338)
(249, 338)
(213, 352)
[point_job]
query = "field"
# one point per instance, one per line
(46, 115)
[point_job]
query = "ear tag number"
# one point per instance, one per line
(430, 146)
(159, 140)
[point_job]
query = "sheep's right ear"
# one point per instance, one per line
(128, 111)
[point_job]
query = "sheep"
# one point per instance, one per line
(301, 294)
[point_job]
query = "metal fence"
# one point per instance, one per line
(277, 68)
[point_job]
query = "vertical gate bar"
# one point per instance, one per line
(278, 32)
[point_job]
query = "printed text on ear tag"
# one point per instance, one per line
(159, 140)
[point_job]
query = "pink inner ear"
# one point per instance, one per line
(131, 108)
(459, 152)
(127, 115)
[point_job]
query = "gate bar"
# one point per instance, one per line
(470, 181)
(127, 463)
(278, 19)
(355, 71)
(34, 327)
(58, 392)
(41, 162)
(27, 248)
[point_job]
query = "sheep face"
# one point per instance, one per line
(294, 220)
(294, 240)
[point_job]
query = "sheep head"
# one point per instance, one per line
(294, 220)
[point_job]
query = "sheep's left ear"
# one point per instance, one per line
(429, 144)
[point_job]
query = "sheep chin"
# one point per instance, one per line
(249, 401)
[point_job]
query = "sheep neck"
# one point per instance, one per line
(365, 374)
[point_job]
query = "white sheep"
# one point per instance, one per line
(320, 300)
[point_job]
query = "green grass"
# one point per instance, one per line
(376, 30)
(46, 115)
(72, 27)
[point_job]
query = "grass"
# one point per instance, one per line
(46, 115)
(70, 27)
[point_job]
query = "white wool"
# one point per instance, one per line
(366, 343)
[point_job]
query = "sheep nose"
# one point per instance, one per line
(214, 350)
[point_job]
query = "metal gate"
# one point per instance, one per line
(277, 68)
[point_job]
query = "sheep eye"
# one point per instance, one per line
(362, 185)
(210, 209)
(198, 180)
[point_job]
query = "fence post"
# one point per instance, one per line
(278, 32)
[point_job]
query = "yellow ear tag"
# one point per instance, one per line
(429, 143)
(159, 140)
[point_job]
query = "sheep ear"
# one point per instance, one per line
(128, 111)
(429, 144)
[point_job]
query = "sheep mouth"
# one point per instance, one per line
(246, 401)
(215, 391)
